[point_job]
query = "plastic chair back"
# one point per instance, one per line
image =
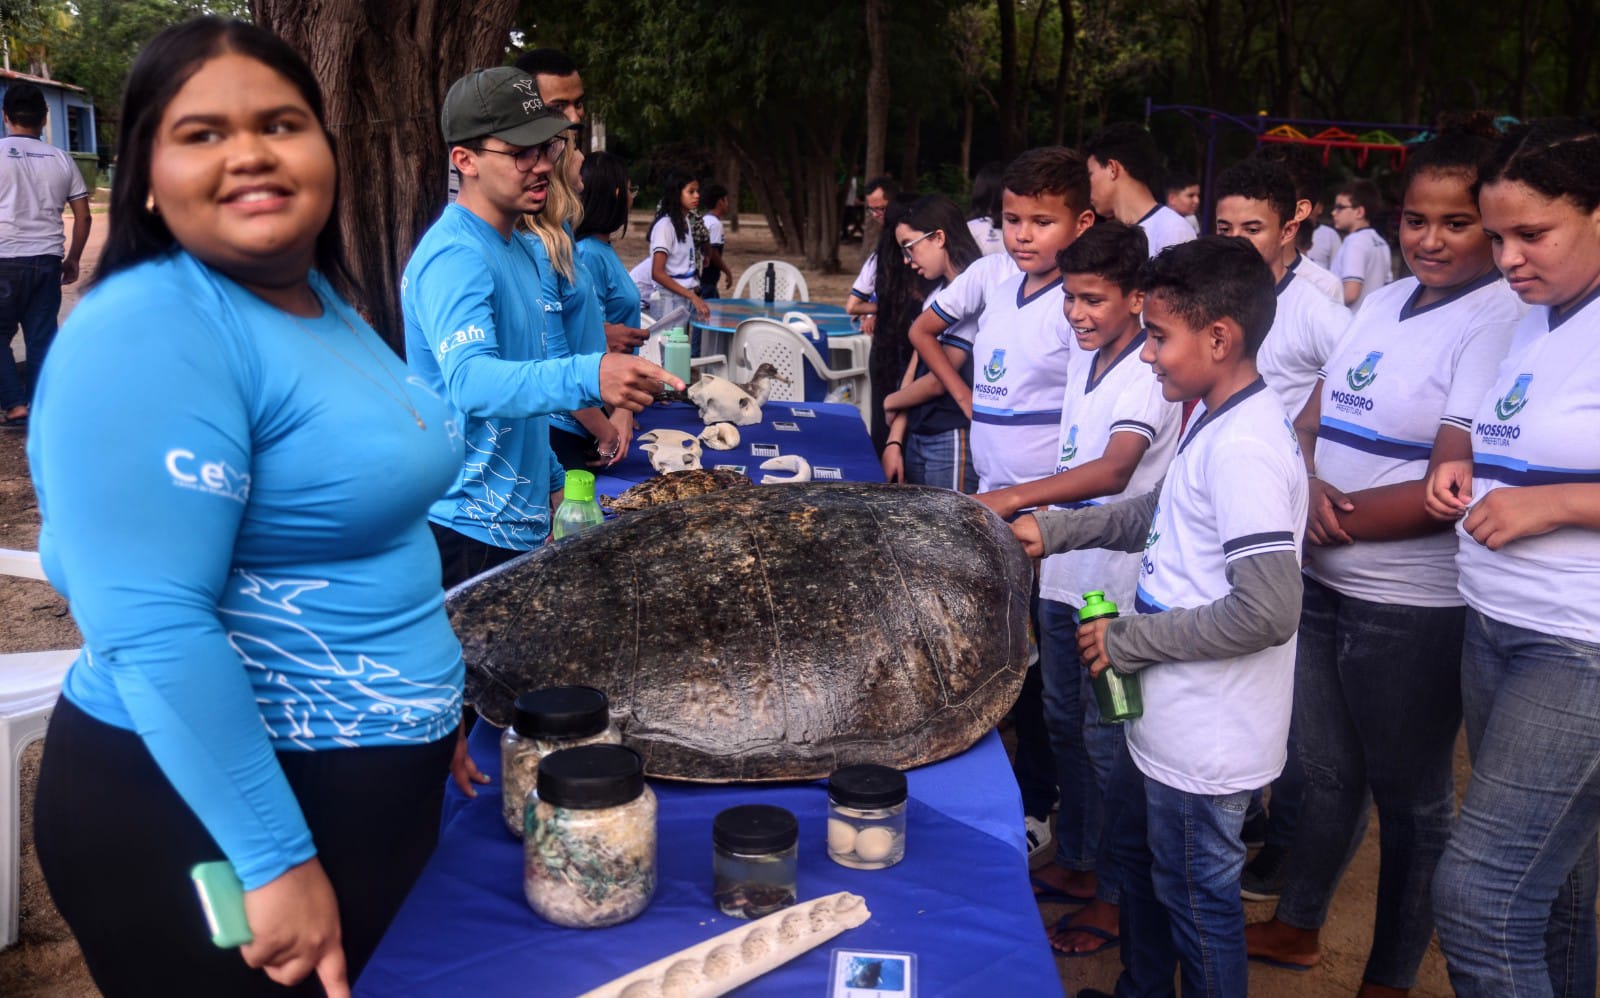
(788, 283)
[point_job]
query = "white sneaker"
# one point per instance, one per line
(1041, 840)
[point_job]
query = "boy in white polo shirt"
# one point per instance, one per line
(1364, 262)
(1021, 350)
(1124, 168)
(1217, 606)
(1117, 436)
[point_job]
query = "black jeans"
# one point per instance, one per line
(461, 557)
(30, 294)
(116, 843)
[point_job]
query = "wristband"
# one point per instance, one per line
(895, 443)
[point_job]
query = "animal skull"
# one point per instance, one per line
(720, 436)
(800, 467)
(722, 401)
(671, 450)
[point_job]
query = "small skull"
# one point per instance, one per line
(722, 401)
(720, 436)
(671, 450)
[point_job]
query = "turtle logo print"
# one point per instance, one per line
(1514, 400)
(1360, 377)
(996, 368)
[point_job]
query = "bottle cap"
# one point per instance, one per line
(591, 777)
(561, 712)
(677, 334)
(755, 828)
(1095, 606)
(867, 786)
(580, 486)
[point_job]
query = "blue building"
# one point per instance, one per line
(70, 126)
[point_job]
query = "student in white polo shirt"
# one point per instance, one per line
(1377, 687)
(1514, 894)
(862, 302)
(1021, 350)
(1256, 200)
(1124, 171)
(1116, 438)
(1217, 605)
(1364, 262)
(674, 266)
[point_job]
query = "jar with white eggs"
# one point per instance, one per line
(546, 721)
(867, 817)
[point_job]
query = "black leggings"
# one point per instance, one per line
(116, 843)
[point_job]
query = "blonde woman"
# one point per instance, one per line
(583, 437)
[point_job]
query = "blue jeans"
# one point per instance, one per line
(1515, 891)
(943, 459)
(1377, 702)
(1032, 763)
(1084, 748)
(30, 294)
(1181, 855)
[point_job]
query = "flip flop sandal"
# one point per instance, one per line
(1298, 968)
(1048, 893)
(1107, 939)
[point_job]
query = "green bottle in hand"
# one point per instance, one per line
(1117, 695)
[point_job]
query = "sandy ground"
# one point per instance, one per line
(46, 961)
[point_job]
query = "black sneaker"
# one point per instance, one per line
(1263, 877)
(1254, 832)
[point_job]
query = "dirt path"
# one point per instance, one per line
(46, 961)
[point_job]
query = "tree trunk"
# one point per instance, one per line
(1010, 141)
(966, 132)
(1581, 40)
(1058, 106)
(912, 149)
(1288, 97)
(726, 165)
(384, 67)
(877, 107)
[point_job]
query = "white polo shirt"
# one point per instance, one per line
(988, 237)
(1304, 332)
(1125, 399)
(866, 282)
(1325, 244)
(1164, 227)
(1364, 256)
(1399, 374)
(36, 182)
(1236, 488)
(1020, 354)
(1539, 424)
(680, 252)
(1320, 278)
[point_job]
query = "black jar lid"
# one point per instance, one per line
(591, 776)
(867, 786)
(755, 829)
(561, 712)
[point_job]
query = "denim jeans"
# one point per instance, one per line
(1181, 855)
(943, 459)
(1515, 891)
(30, 294)
(1377, 702)
(1084, 748)
(1032, 763)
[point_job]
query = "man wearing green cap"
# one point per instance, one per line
(476, 327)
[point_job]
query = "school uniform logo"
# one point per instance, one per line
(1515, 399)
(1069, 447)
(1360, 377)
(996, 368)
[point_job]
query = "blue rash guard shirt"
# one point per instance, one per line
(582, 321)
(478, 333)
(234, 503)
(613, 285)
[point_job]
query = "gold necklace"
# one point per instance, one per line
(399, 394)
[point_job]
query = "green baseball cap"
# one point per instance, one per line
(503, 102)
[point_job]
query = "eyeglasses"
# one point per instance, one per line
(879, 211)
(633, 190)
(526, 159)
(1342, 207)
(905, 248)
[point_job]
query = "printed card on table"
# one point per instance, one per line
(728, 467)
(763, 450)
(787, 427)
(803, 413)
(827, 474)
(873, 974)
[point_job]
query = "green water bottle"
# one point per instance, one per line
(675, 353)
(1117, 695)
(578, 510)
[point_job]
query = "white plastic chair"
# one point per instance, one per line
(766, 341)
(788, 284)
(30, 683)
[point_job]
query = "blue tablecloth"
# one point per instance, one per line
(960, 900)
(833, 440)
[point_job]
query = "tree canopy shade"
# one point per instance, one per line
(384, 67)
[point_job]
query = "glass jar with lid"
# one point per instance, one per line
(867, 817)
(589, 849)
(547, 720)
(753, 860)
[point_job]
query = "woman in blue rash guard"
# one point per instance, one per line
(234, 473)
